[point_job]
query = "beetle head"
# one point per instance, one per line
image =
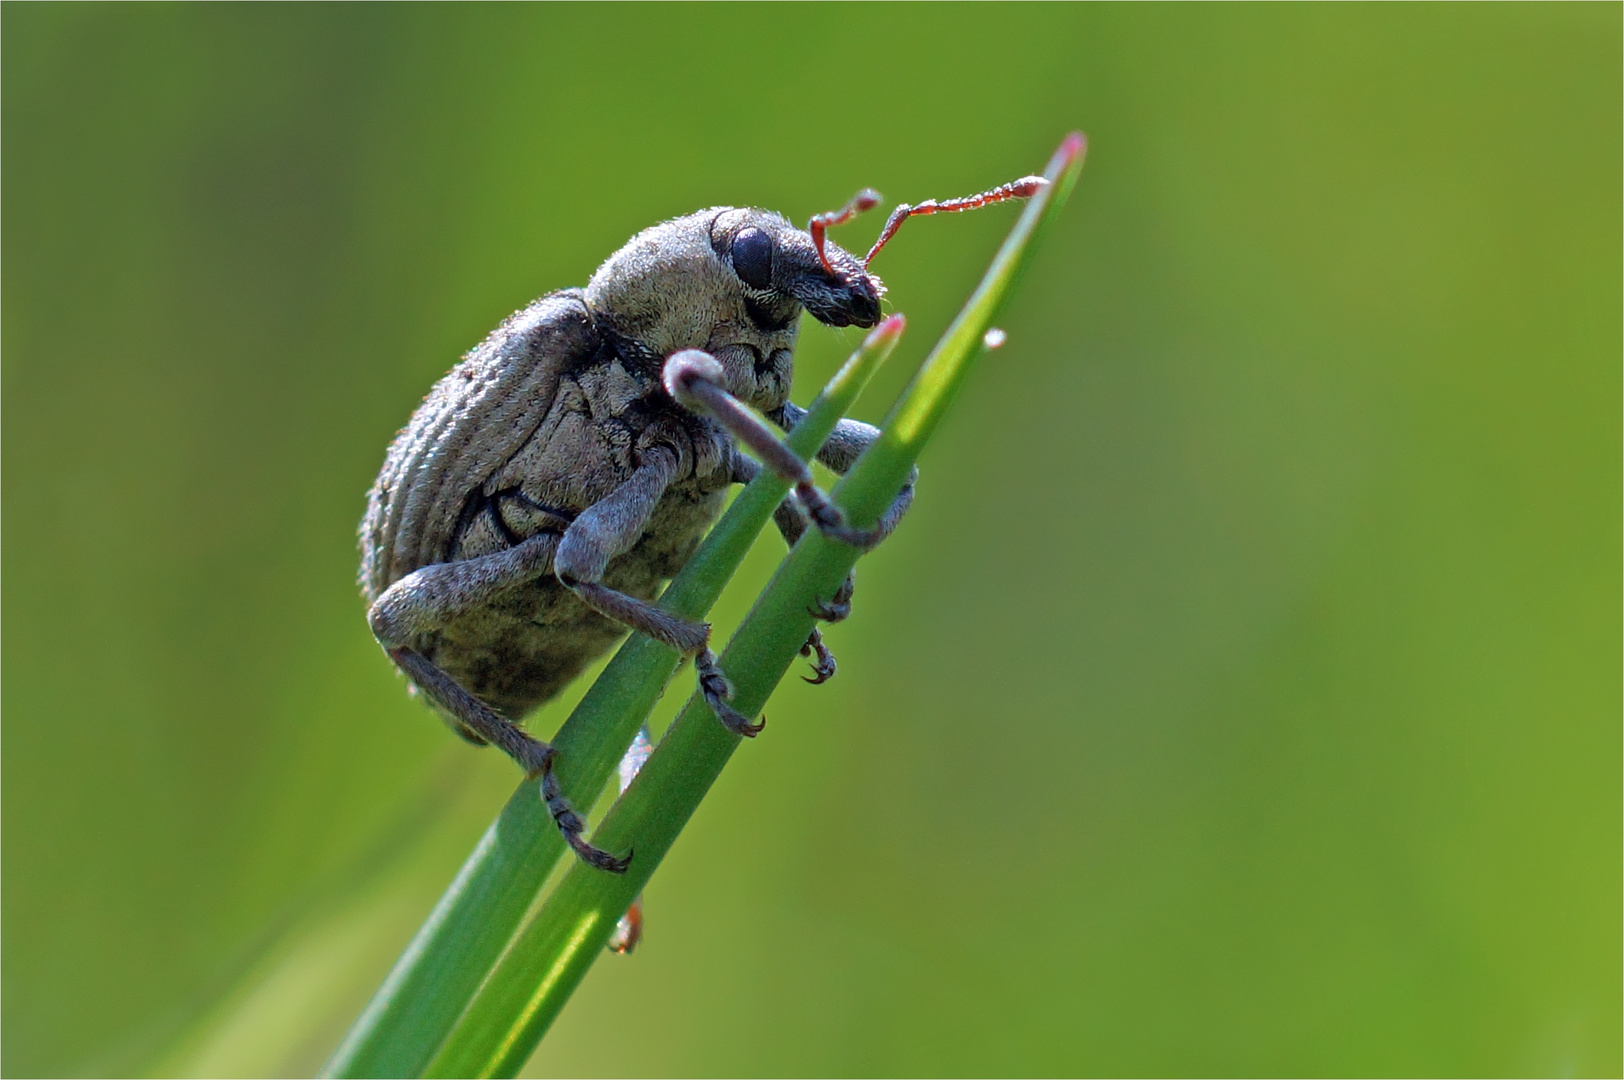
(732, 282)
(780, 271)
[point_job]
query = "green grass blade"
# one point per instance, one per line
(441, 969)
(552, 953)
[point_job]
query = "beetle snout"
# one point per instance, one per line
(865, 303)
(852, 301)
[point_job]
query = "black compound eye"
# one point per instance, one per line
(753, 258)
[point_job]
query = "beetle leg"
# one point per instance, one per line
(611, 526)
(844, 445)
(425, 600)
(838, 606)
(842, 449)
(792, 524)
(693, 378)
(824, 667)
(534, 755)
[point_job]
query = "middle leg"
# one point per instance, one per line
(694, 379)
(612, 526)
(417, 605)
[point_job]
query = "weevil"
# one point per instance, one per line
(527, 514)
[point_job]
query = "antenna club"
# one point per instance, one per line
(1027, 186)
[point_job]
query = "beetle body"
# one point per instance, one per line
(527, 514)
(571, 418)
(552, 413)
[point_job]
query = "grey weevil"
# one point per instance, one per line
(527, 514)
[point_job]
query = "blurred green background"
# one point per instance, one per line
(1242, 695)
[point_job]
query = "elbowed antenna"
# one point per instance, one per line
(1024, 188)
(867, 199)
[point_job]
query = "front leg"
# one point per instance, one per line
(845, 444)
(610, 527)
(694, 379)
(842, 449)
(839, 452)
(428, 598)
(792, 524)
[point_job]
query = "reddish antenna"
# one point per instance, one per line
(1024, 188)
(867, 199)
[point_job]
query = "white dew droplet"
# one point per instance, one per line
(993, 338)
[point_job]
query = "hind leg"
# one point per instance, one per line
(425, 600)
